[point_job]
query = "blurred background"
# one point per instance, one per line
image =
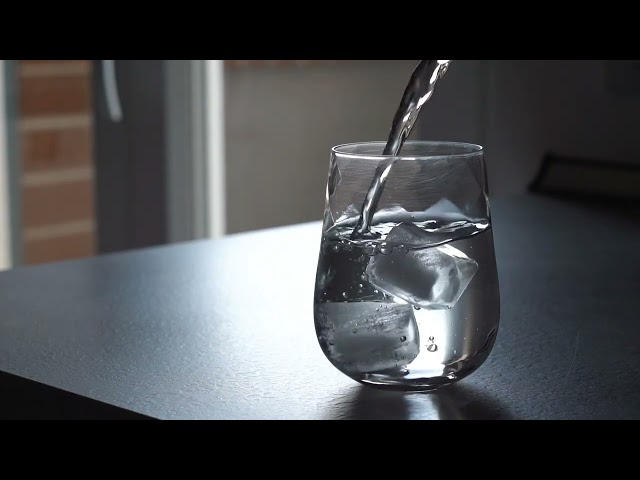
(98, 156)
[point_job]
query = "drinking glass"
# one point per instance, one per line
(414, 304)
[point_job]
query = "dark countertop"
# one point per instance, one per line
(224, 330)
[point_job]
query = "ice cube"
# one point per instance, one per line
(411, 235)
(443, 207)
(365, 337)
(445, 211)
(432, 278)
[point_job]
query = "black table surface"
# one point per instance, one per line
(223, 329)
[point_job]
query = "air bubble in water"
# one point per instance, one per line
(432, 348)
(386, 249)
(403, 338)
(402, 250)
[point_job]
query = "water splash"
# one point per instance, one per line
(418, 92)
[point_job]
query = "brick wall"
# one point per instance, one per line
(55, 127)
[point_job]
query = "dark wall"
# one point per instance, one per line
(130, 158)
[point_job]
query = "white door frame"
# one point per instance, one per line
(5, 209)
(216, 194)
(195, 149)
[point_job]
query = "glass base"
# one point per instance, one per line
(404, 381)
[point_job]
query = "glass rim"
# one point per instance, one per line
(466, 150)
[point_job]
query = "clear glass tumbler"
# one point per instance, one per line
(415, 305)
